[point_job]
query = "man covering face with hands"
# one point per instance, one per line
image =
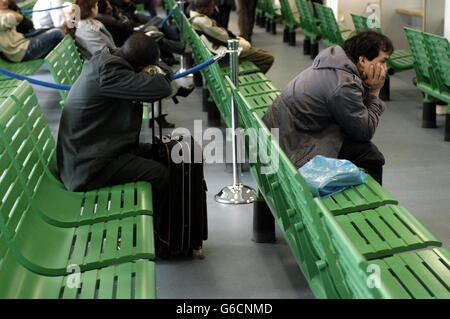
(333, 107)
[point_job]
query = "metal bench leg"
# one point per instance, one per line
(307, 46)
(198, 79)
(273, 27)
(286, 35)
(385, 92)
(429, 114)
(447, 127)
(292, 40)
(205, 96)
(214, 116)
(314, 50)
(263, 223)
(268, 24)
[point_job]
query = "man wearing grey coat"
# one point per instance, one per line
(332, 108)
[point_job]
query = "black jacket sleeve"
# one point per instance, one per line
(116, 80)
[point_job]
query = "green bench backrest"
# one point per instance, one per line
(422, 63)
(307, 19)
(65, 64)
(439, 52)
(361, 23)
(328, 25)
(288, 16)
(37, 127)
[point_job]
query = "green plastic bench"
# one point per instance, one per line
(290, 23)
(65, 64)
(260, 12)
(271, 13)
(49, 249)
(409, 275)
(79, 208)
(330, 31)
(22, 68)
(431, 61)
(310, 29)
(333, 252)
(124, 281)
(27, 5)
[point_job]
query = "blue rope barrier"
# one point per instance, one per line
(195, 68)
(169, 15)
(68, 87)
(34, 81)
(42, 10)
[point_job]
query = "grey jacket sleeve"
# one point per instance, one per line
(122, 83)
(358, 118)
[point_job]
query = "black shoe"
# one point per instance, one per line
(162, 122)
(183, 91)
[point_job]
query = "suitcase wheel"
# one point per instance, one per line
(199, 253)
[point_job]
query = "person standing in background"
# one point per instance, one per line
(224, 6)
(48, 19)
(246, 11)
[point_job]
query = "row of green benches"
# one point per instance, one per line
(335, 240)
(432, 66)
(429, 57)
(46, 231)
(326, 28)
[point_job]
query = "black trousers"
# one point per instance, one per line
(365, 155)
(139, 166)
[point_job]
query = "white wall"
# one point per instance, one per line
(447, 19)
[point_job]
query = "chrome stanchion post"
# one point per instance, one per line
(236, 193)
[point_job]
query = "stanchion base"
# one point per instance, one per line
(236, 194)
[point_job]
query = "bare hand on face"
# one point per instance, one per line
(375, 78)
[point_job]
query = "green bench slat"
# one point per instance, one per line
(22, 68)
(18, 282)
(65, 64)
(245, 67)
(424, 274)
(386, 230)
(359, 197)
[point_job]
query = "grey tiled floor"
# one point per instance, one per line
(417, 173)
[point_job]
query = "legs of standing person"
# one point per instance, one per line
(365, 155)
(246, 18)
(261, 58)
(224, 15)
(42, 44)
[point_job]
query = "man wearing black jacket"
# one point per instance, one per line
(98, 141)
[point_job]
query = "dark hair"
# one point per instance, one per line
(102, 6)
(86, 7)
(367, 44)
(140, 51)
(201, 4)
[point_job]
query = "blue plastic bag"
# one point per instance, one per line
(326, 176)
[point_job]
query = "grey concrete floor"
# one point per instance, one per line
(417, 173)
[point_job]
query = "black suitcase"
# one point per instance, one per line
(184, 227)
